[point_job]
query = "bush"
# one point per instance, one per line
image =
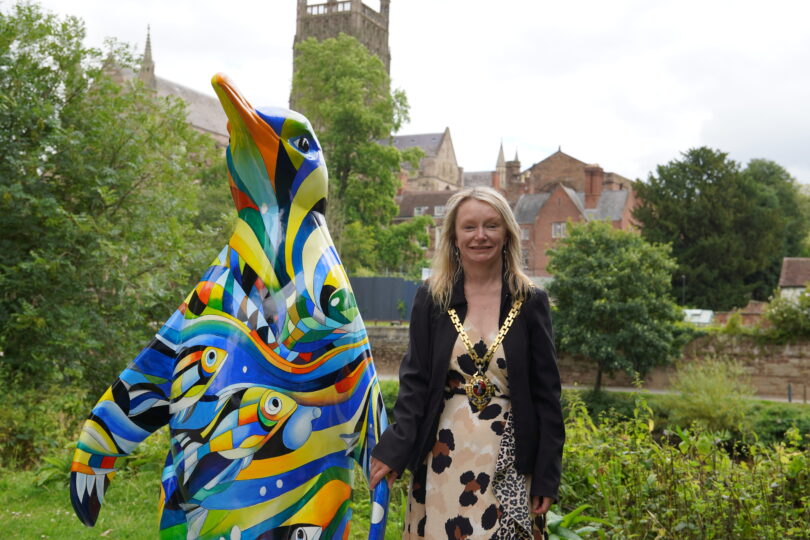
(771, 421)
(790, 320)
(39, 423)
(713, 392)
(685, 485)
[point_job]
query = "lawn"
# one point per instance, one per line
(28, 511)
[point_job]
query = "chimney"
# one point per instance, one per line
(594, 183)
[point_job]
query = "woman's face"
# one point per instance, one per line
(480, 233)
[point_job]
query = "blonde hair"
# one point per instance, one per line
(446, 266)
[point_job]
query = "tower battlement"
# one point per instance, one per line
(327, 19)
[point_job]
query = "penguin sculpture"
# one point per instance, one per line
(263, 374)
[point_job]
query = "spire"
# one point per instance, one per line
(501, 161)
(147, 73)
(516, 156)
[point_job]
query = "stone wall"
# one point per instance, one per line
(388, 344)
(771, 367)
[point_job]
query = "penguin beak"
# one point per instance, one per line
(243, 120)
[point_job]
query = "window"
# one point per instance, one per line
(524, 233)
(558, 229)
(420, 210)
(438, 210)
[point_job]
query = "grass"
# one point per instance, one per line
(31, 512)
(130, 508)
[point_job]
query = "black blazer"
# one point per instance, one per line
(534, 387)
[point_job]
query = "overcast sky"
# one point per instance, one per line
(627, 84)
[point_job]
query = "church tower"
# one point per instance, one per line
(328, 18)
(147, 73)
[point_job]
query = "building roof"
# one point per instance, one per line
(529, 205)
(795, 272)
(408, 200)
(611, 205)
(577, 198)
(428, 142)
(203, 111)
(477, 178)
(559, 152)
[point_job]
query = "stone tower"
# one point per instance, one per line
(328, 18)
(147, 73)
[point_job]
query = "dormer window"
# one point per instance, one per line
(420, 210)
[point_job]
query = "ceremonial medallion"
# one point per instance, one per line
(479, 388)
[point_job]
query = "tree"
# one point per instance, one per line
(345, 92)
(724, 226)
(100, 186)
(781, 192)
(399, 248)
(612, 299)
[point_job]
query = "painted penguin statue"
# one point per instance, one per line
(263, 374)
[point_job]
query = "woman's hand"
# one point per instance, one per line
(540, 505)
(380, 470)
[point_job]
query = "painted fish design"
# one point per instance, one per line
(263, 374)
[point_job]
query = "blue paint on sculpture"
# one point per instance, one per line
(263, 374)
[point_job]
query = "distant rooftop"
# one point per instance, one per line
(477, 178)
(795, 272)
(428, 142)
(204, 112)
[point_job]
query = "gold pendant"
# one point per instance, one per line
(479, 390)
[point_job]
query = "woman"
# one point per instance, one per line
(481, 430)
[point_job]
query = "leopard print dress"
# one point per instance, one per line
(468, 486)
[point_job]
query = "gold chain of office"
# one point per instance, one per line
(479, 388)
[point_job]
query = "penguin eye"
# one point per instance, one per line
(302, 143)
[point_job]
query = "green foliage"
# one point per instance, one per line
(345, 92)
(715, 393)
(771, 421)
(780, 191)
(686, 485)
(396, 249)
(559, 526)
(389, 389)
(612, 299)
(789, 319)
(361, 507)
(35, 423)
(100, 193)
(729, 228)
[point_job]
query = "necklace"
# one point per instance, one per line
(479, 388)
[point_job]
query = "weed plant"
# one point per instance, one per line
(685, 484)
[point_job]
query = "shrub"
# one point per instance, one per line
(771, 421)
(713, 392)
(685, 485)
(39, 423)
(789, 319)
